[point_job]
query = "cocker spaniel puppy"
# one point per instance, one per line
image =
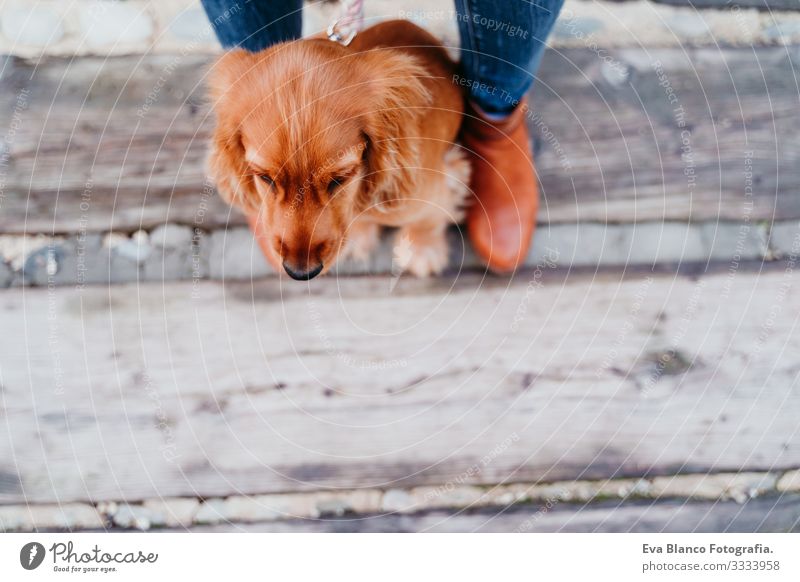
(322, 145)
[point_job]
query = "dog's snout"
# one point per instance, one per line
(304, 274)
(302, 260)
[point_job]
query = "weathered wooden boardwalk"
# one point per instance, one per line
(133, 393)
(660, 396)
(649, 135)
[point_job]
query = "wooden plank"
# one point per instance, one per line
(208, 390)
(119, 143)
(777, 514)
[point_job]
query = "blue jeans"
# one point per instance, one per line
(502, 41)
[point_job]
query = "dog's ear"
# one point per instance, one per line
(227, 72)
(226, 162)
(228, 169)
(395, 105)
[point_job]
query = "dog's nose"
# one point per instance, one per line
(302, 274)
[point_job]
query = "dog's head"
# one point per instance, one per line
(310, 134)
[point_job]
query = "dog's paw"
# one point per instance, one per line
(362, 238)
(457, 170)
(419, 252)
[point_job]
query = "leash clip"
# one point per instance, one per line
(335, 34)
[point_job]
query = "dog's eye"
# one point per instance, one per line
(266, 178)
(336, 182)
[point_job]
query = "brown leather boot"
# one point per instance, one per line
(502, 218)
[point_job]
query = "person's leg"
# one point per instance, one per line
(254, 24)
(502, 44)
(501, 47)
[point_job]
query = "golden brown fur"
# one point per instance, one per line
(323, 144)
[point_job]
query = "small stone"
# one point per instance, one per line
(336, 507)
(108, 508)
(397, 500)
(173, 512)
(42, 265)
(738, 496)
(236, 255)
(134, 252)
(789, 482)
(140, 237)
(179, 253)
(583, 491)
(32, 25)
(783, 31)
(689, 25)
(506, 498)
(135, 249)
(211, 511)
(114, 23)
(113, 239)
(135, 517)
(171, 236)
(784, 238)
(641, 488)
